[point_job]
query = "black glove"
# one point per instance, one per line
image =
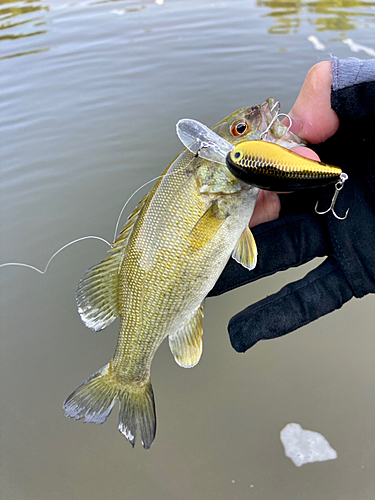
(300, 235)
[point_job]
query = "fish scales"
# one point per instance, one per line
(153, 264)
(166, 259)
(161, 264)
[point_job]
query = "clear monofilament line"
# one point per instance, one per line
(21, 264)
(54, 255)
(127, 201)
(137, 191)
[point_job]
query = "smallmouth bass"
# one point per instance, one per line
(165, 261)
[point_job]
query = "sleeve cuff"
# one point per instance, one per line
(351, 71)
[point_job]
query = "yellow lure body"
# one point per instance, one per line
(273, 167)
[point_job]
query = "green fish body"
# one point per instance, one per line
(166, 260)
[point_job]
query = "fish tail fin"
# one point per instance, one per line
(137, 408)
(94, 399)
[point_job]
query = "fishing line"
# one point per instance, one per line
(54, 255)
(21, 264)
(127, 201)
(168, 174)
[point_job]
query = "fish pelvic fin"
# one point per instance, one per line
(186, 344)
(94, 399)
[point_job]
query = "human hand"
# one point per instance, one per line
(299, 234)
(314, 120)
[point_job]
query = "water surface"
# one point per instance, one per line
(89, 96)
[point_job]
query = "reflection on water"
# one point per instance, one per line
(121, 12)
(325, 15)
(29, 15)
(22, 20)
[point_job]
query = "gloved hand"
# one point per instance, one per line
(299, 234)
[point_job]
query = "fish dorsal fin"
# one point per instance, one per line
(245, 252)
(97, 291)
(186, 344)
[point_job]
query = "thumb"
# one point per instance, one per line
(313, 119)
(321, 291)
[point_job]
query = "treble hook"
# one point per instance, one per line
(274, 118)
(338, 186)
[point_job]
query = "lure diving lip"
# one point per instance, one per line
(275, 168)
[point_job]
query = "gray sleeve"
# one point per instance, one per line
(351, 71)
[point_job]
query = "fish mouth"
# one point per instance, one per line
(253, 112)
(262, 117)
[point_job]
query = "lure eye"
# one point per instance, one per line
(238, 128)
(237, 155)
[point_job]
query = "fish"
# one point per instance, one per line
(166, 259)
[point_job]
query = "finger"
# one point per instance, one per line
(267, 208)
(287, 242)
(313, 119)
(306, 152)
(321, 291)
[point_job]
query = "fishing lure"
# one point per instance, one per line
(263, 164)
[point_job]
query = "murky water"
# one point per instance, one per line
(89, 95)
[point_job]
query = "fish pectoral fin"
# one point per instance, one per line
(245, 252)
(186, 344)
(206, 227)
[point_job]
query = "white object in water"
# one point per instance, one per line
(355, 47)
(159, 2)
(318, 45)
(303, 446)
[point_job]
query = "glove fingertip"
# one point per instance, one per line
(321, 291)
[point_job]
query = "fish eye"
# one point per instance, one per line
(239, 127)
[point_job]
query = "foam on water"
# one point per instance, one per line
(303, 446)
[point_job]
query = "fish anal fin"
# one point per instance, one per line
(186, 344)
(245, 252)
